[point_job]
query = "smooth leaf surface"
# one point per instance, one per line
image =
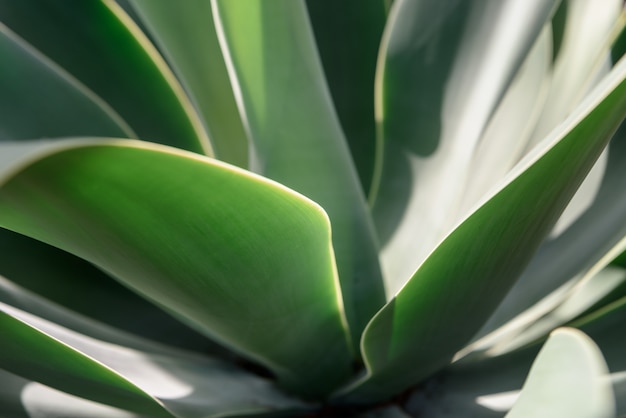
(240, 258)
(594, 287)
(569, 379)
(99, 45)
(443, 69)
(490, 249)
(561, 260)
(36, 94)
(187, 386)
(481, 390)
(20, 298)
(32, 354)
(297, 136)
(73, 282)
(186, 33)
(347, 35)
(22, 398)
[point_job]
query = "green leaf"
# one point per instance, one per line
(22, 299)
(186, 33)
(115, 60)
(348, 35)
(560, 261)
(30, 353)
(489, 250)
(587, 291)
(72, 282)
(297, 136)
(240, 258)
(22, 398)
(443, 70)
(36, 94)
(187, 386)
(569, 379)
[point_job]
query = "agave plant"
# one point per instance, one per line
(228, 208)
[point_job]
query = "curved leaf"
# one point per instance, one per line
(238, 257)
(22, 398)
(443, 69)
(477, 263)
(186, 34)
(186, 386)
(115, 60)
(569, 379)
(297, 135)
(36, 96)
(32, 354)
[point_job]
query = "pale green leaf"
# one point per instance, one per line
(443, 69)
(489, 250)
(296, 134)
(569, 379)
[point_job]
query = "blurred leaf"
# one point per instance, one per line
(490, 249)
(348, 35)
(479, 390)
(186, 33)
(185, 385)
(99, 45)
(22, 398)
(22, 299)
(297, 136)
(32, 354)
(569, 379)
(445, 67)
(178, 228)
(36, 96)
(591, 289)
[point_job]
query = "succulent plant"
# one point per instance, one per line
(229, 208)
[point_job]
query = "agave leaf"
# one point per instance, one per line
(75, 284)
(32, 354)
(559, 262)
(117, 62)
(568, 379)
(20, 298)
(238, 257)
(504, 140)
(23, 113)
(22, 398)
(490, 249)
(479, 390)
(582, 297)
(186, 386)
(186, 34)
(348, 35)
(298, 138)
(444, 68)
(582, 293)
